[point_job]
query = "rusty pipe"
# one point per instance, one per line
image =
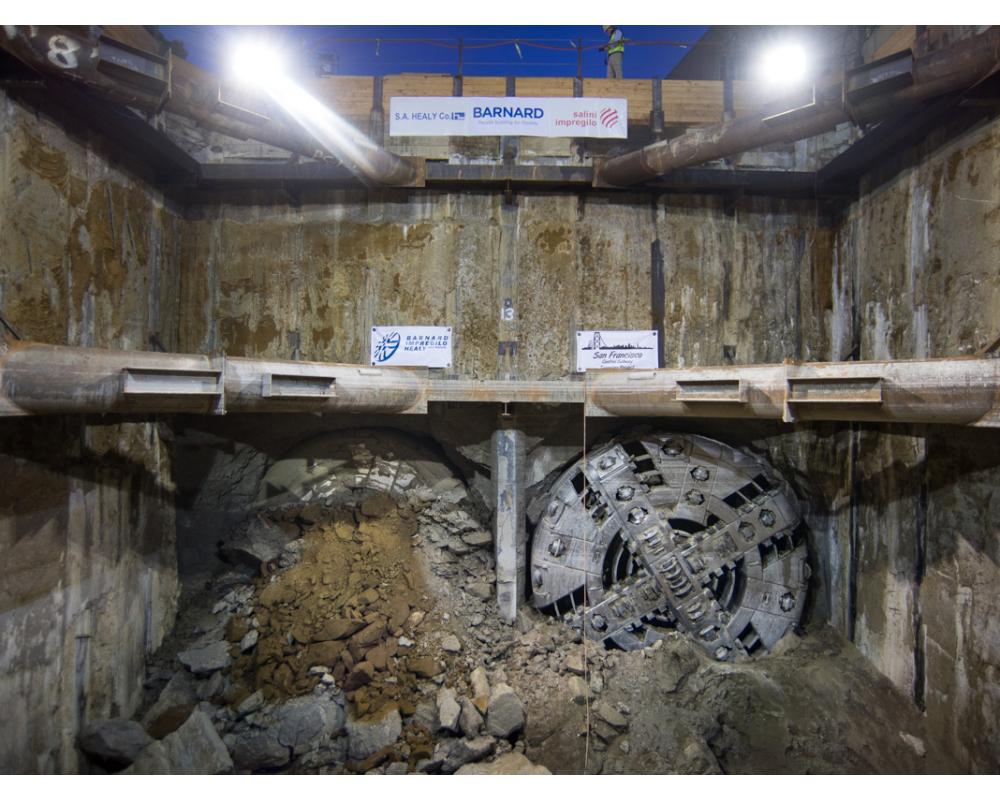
(74, 54)
(957, 391)
(940, 72)
(48, 379)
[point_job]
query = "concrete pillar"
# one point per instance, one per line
(509, 538)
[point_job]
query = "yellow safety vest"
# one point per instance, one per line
(616, 47)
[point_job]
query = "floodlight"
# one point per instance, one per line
(257, 64)
(784, 65)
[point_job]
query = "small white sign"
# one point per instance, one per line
(581, 117)
(410, 346)
(617, 350)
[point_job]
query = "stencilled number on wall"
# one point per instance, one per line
(62, 51)
(507, 312)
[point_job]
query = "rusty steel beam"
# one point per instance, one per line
(216, 177)
(48, 379)
(143, 79)
(958, 67)
(956, 391)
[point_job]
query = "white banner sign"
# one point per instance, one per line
(591, 117)
(410, 346)
(617, 350)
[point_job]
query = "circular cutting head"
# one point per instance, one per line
(672, 530)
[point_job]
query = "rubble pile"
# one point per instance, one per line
(358, 634)
(349, 637)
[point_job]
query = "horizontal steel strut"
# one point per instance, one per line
(48, 379)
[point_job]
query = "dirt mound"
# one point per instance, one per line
(351, 607)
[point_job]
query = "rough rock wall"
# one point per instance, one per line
(756, 279)
(920, 246)
(87, 257)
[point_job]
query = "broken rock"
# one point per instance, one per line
(450, 644)
(455, 753)
(193, 749)
(574, 664)
(424, 667)
(369, 735)
(449, 490)
(508, 764)
(611, 716)
(470, 721)
(213, 687)
(302, 722)
(426, 714)
(505, 714)
(480, 589)
(255, 542)
(448, 710)
(337, 629)
(114, 742)
(206, 660)
(249, 641)
(360, 675)
(369, 635)
(577, 690)
(478, 539)
(480, 689)
(259, 748)
(254, 702)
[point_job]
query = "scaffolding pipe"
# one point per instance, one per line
(957, 67)
(129, 75)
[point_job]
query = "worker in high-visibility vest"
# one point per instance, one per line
(615, 49)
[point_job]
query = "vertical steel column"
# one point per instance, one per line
(509, 538)
(656, 114)
(456, 82)
(509, 144)
(728, 106)
(376, 117)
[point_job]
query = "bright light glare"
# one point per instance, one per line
(257, 64)
(261, 67)
(784, 65)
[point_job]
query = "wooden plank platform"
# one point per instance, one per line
(639, 95)
(484, 87)
(691, 102)
(348, 95)
(544, 87)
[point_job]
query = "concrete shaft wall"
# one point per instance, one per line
(756, 279)
(89, 584)
(920, 249)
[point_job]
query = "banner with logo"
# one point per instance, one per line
(410, 346)
(617, 350)
(584, 117)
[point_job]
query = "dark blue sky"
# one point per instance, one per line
(208, 44)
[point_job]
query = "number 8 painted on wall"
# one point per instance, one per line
(62, 51)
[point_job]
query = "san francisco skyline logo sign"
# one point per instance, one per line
(617, 350)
